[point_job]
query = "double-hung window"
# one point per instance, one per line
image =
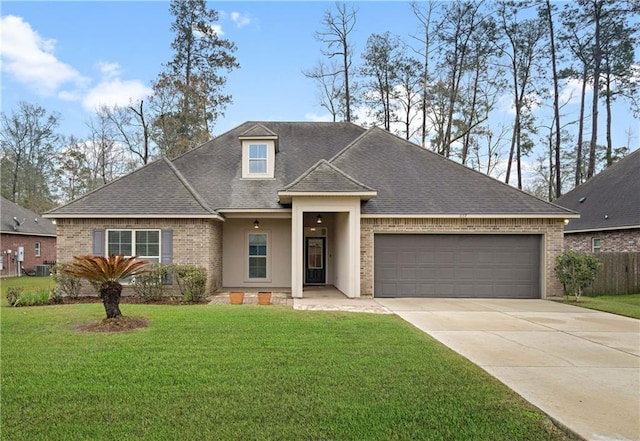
(258, 256)
(257, 158)
(38, 249)
(142, 243)
(596, 245)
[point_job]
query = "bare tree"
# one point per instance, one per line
(131, 128)
(336, 36)
(330, 87)
(28, 142)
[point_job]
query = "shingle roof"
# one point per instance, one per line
(413, 180)
(312, 156)
(30, 223)
(611, 199)
(326, 177)
(155, 189)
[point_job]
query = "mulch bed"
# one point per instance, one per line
(133, 300)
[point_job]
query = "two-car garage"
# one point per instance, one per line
(457, 265)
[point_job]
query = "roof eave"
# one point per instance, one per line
(600, 229)
(133, 216)
(472, 215)
(287, 196)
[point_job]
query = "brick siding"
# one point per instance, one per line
(195, 242)
(551, 229)
(13, 241)
(616, 241)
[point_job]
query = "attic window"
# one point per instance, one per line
(257, 159)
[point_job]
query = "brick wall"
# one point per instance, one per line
(617, 241)
(195, 241)
(13, 241)
(551, 229)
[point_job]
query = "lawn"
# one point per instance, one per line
(246, 372)
(627, 305)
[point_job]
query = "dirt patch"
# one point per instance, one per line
(118, 324)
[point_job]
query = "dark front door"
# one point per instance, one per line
(315, 261)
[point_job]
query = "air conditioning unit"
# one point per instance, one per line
(43, 270)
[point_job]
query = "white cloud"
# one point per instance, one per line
(30, 59)
(217, 29)
(112, 90)
(240, 20)
(571, 92)
(314, 117)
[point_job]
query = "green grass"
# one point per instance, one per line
(246, 372)
(627, 305)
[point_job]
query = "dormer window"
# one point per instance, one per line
(257, 159)
(259, 147)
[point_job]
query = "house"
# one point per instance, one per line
(27, 241)
(609, 207)
(284, 205)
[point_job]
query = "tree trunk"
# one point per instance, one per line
(110, 293)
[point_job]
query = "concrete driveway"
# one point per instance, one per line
(580, 367)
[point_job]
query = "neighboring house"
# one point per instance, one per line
(283, 205)
(609, 207)
(27, 241)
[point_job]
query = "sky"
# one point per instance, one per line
(71, 56)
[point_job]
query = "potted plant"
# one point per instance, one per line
(236, 298)
(264, 298)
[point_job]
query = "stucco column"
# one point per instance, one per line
(297, 266)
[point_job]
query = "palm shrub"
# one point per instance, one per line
(576, 271)
(107, 272)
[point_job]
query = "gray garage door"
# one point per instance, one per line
(457, 265)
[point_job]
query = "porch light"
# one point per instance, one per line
(319, 219)
(256, 224)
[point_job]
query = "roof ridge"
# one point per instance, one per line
(187, 185)
(332, 167)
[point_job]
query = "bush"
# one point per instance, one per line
(192, 282)
(55, 296)
(18, 297)
(68, 285)
(576, 271)
(150, 285)
(13, 294)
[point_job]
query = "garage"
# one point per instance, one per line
(457, 265)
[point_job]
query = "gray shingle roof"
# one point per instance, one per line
(30, 223)
(155, 189)
(611, 199)
(312, 156)
(325, 177)
(412, 180)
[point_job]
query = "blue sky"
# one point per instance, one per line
(69, 56)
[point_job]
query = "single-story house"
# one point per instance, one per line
(27, 241)
(284, 205)
(609, 207)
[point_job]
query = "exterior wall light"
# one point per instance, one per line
(256, 224)
(319, 219)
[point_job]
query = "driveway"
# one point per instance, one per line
(580, 367)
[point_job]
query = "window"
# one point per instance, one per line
(257, 158)
(258, 256)
(38, 250)
(596, 244)
(142, 243)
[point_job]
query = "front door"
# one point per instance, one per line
(315, 261)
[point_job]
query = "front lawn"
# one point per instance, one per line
(627, 305)
(246, 373)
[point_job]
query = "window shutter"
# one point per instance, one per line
(98, 242)
(166, 253)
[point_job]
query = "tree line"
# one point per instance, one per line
(440, 87)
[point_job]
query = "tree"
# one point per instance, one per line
(521, 49)
(330, 87)
(29, 142)
(188, 92)
(131, 127)
(108, 272)
(576, 271)
(72, 171)
(337, 38)
(380, 62)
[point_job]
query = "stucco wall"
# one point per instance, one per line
(618, 241)
(234, 272)
(551, 229)
(195, 241)
(13, 241)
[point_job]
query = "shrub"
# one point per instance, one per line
(150, 285)
(55, 296)
(67, 284)
(32, 298)
(13, 294)
(192, 282)
(576, 271)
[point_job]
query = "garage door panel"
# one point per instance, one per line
(457, 266)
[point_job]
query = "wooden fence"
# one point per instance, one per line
(619, 274)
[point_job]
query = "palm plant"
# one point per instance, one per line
(107, 271)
